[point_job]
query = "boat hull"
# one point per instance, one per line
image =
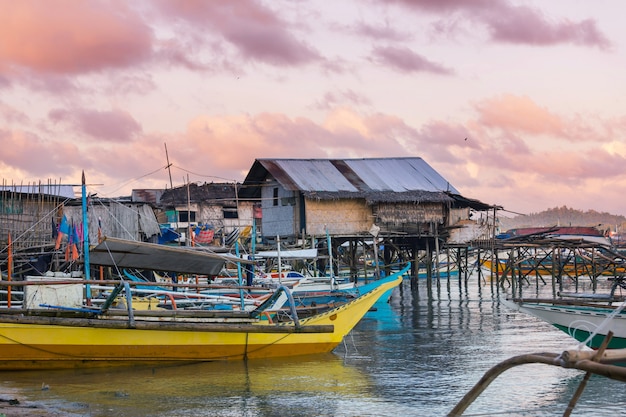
(56, 347)
(546, 268)
(26, 345)
(579, 321)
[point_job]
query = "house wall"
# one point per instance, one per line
(458, 215)
(279, 214)
(469, 230)
(399, 214)
(349, 216)
(213, 214)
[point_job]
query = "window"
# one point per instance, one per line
(276, 196)
(230, 213)
(186, 216)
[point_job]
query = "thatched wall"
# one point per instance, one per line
(399, 214)
(352, 216)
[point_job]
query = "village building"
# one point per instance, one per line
(403, 201)
(45, 223)
(210, 213)
(402, 204)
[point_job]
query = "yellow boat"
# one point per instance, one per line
(69, 333)
(71, 339)
(529, 268)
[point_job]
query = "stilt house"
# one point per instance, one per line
(347, 197)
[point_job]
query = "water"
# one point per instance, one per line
(416, 356)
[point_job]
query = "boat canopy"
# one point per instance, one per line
(150, 256)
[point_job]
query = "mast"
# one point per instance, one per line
(86, 239)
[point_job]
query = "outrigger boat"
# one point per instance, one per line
(51, 337)
(586, 320)
(587, 317)
(44, 336)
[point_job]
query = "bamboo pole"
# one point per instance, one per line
(583, 383)
(9, 270)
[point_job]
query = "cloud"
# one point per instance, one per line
(523, 25)
(405, 60)
(344, 133)
(257, 32)
(31, 156)
(519, 114)
(379, 32)
(69, 37)
(12, 115)
(111, 126)
(513, 24)
(334, 99)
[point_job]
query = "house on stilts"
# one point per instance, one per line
(404, 203)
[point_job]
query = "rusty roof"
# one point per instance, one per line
(365, 175)
(218, 193)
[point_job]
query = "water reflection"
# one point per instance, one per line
(416, 356)
(264, 387)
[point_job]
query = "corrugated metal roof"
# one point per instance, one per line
(357, 175)
(314, 175)
(65, 191)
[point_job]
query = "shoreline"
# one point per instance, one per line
(13, 407)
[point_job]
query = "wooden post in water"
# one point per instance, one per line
(554, 265)
(428, 261)
(414, 264)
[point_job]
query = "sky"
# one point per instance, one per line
(516, 103)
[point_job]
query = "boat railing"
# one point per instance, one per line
(271, 300)
(110, 289)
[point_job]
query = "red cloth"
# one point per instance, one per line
(205, 236)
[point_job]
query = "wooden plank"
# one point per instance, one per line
(165, 326)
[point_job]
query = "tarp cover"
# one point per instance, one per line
(150, 256)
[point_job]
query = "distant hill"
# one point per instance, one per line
(565, 216)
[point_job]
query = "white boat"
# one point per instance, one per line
(586, 319)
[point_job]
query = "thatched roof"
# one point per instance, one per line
(373, 197)
(216, 193)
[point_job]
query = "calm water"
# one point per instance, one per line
(416, 356)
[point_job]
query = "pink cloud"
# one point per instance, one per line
(438, 141)
(572, 166)
(405, 60)
(387, 32)
(519, 114)
(514, 24)
(443, 6)
(524, 25)
(255, 30)
(31, 154)
(12, 115)
(69, 37)
(334, 99)
(345, 133)
(112, 126)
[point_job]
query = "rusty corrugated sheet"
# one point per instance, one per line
(356, 175)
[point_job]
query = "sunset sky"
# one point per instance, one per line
(516, 103)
